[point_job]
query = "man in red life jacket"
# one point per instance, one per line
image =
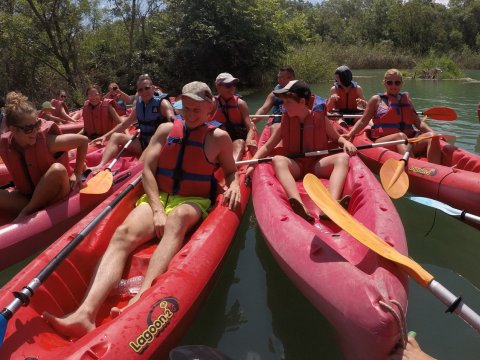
(177, 196)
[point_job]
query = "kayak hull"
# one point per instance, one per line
(22, 239)
(148, 329)
(456, 182)
(344, 280)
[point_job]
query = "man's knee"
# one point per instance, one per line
(57, 170)
(124, 237)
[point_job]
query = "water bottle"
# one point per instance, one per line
(129, 286)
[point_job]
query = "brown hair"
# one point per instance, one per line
(291, 95)
(288, 69)
(96, 87)
(16, 107)
(394, 72)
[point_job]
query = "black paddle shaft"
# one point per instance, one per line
(22, 298)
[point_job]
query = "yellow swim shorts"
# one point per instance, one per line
(170, 202)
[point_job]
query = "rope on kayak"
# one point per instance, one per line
(401, 320)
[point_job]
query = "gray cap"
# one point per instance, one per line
(225, 78)
(198, 91)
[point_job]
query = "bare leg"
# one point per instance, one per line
(287, 171)
(336, 166)
(179, 221)
(238, 149)
(53, 186)
(135, 230)
(12, 202)
(400, 148)
(116, 142)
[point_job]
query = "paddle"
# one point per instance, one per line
(264, 116)
(22, 297)
(435, 113)
(461, 214)
(337, 150)
(198, 352)
(392, 173)
(102, 181)
(322, 198)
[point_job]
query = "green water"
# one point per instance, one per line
(254, 311)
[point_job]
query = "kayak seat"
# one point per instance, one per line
(453, 156)
(138, 261)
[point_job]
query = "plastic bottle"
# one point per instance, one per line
(129, 286)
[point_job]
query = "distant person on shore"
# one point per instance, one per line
(232, 113)
(150, 111)
(303, 130)
(59, 102)
(121, 98)
(273, 102)
(346, 96)
(40, 144)
(99, 115)
(395, 118)
(170, 208)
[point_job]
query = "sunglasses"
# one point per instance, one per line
(144, 88)
(391, 82)
(63, 96)
(28, 129)
(115, 88)
(228, 86)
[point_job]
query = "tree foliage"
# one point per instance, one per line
(51, 44)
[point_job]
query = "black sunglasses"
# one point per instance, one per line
(28, 129)
(144, 88)
(391, 82)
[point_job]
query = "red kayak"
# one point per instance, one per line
(455, 182)
(358, 291)
(151, 327)
(34, 232)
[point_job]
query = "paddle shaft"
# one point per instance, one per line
(323, 199)
(23, 297)
(321, 152)
(123, 149)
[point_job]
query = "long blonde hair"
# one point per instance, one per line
(16, 107)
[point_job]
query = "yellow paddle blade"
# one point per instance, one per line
(320, 195)
(394, 178)
(99, 184)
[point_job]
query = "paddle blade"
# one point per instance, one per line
(436, 204)
(322, 198)
(441, 113)
(99, 184)
(394, 178)
(3, 328)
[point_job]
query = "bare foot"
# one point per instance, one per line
(71, 326)
(411, 352)
(116, 311)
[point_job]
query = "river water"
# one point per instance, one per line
(255, 312)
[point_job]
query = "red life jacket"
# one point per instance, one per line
(58, 104)
(347, 100)
(183, 168)
(227, 111)
(309, 136)
(27, 170)
(97, 120)
(393, 116)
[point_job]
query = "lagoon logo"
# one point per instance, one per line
(157, 320)
(423, 171)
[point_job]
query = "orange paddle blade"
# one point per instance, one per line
(394, 178)
(441, 113)
(322, 198)
(99, 184)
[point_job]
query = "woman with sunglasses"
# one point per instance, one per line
(150, 111)
(232, 114)
(99, 115)
(395, 118)
(60, 109)
(36, 155)
(121, 98)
